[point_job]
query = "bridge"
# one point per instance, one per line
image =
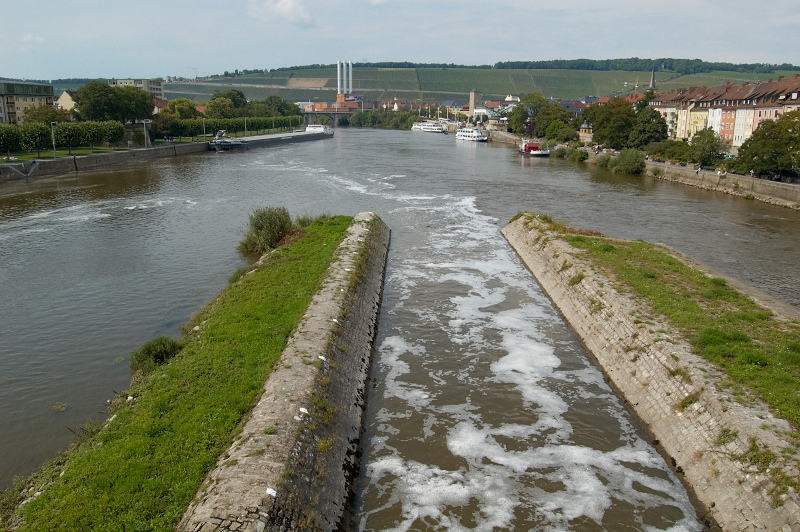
(334, 114)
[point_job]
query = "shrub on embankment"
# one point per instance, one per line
(144, 466)
(629, 161)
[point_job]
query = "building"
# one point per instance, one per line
(153, 86)
(16, 96)
(475, 99)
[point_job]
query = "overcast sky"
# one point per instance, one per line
(47, 39)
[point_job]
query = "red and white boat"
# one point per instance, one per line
(533, 149)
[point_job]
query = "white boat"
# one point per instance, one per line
(472, 133)
(319, 128)
(428, 127)
(222, 142)
(533, 149)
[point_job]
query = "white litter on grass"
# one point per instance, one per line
(271, 492)
(303, 411)
(322, 358)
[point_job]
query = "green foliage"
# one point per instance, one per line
(43, 114)
(10, 138)
(706, 148)
(553, 129)
(611, 122)
(383, 119)
(672, 150)
(94, 133)
(154, 353)
(36, 137)
(143, 469)
(69, 134)
(577, 155)
(604, 160)
(774, 147)
(648, 126)
(629, 161)
(114, 131)
(97, 101)
(266, 227)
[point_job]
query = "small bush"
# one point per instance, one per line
(561, 151)
(155, 352)
(577, 155)
(604, 161)
(266, 227)
(630, 161)
(656, 171)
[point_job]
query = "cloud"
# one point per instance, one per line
(292, 10)
(29, 41)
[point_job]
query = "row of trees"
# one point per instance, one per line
(536, 116)
(635, 64)
(167, 126)
(33, 136)
(232, 103)
(97, 101)
(619, 125)
(382, 119)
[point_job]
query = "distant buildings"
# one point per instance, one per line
(16, 96)
(732, 111)
(153, 86)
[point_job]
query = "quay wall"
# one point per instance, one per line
(294, 464)
(78, 163)
(647, 370)
(774, 192)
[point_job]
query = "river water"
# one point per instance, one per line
(485, 411)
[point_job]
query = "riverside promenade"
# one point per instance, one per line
(78, 163)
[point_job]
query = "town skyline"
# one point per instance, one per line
(90, 39)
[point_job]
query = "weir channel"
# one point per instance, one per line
(484, 409)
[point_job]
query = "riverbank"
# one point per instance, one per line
(736, 459)
(145, 465)
(77, 163)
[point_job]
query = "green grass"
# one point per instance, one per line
(723, 325)
(143, 469)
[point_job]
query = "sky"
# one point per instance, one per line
(53, 39)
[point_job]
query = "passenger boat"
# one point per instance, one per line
(222, 142)
(472, 133)
(319, 128)
(533, 149)
(428, 127)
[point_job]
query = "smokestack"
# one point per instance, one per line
(351, 78)
(338, 77)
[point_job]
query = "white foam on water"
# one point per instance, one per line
(477, 396)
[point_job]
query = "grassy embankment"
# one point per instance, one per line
(759, 353)
(141, 469)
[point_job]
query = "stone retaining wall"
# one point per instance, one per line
(294, 464)
(647, 368)
(775, 192)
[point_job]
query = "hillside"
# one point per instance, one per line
(438, 84)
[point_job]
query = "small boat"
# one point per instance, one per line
(428, 127)
(472, 133)
(533, 149)
(319, 128)
(222, 142)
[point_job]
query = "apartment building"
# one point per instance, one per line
(16, 96)
(153, 86)
(732, 111)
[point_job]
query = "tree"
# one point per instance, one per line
(69, 134)
(182, 108)
(612, 122)
(774, 148)
(133, 104)
(36, 137)
(706, 147)
(648, 126)
(96, 101)
(10, 139)
(113, 131)
(548, 114)
(517, 119)
(236, 97)
(552, 130)
(94, 133)
(220, 108)
(43, 114)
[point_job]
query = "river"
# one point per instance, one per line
(486, 411)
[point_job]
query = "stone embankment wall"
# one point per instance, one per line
(77, 163)
(774, 192)
(653, 371)
(294, 464)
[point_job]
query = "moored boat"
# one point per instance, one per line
(222, 142)
(472, 133)
(427, 127)
(319, 128)
(534, 149)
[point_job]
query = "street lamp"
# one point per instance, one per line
(53, 136)
(144, 126)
